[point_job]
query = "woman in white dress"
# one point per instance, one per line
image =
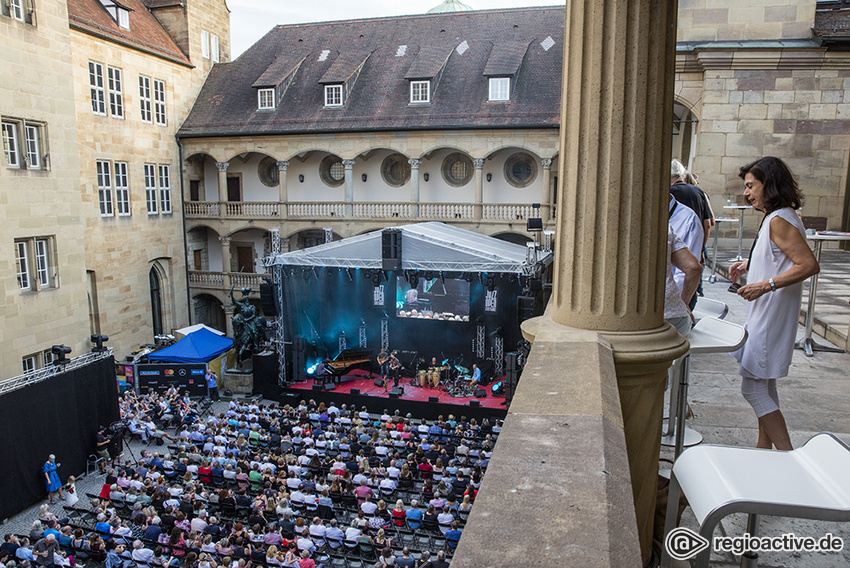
(779, 263)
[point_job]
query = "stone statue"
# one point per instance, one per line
(249, 328)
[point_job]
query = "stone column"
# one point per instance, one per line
(545, 199)
(349, 187)
(222, 187)
(225, 260)
(414, 186)
(479, 188)
(281, 187)
(619, 62)
(228, 320)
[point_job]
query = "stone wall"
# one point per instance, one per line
(731, 20)
(36, 85)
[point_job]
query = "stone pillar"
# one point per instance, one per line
(545, 194)
(281, 187)
(228, 319)
(479, 188)
(619, 62)
(225, 261)
(414, 186)
(222, 187)
(349, 187)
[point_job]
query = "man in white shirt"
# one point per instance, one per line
(317, 529)
(368, 507)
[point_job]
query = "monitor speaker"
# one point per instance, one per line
(354, 391)
(480, 393)
(379, 382)
(433, 399)
(396, 392)
(330, 386)
(474, 403)
(318, 387)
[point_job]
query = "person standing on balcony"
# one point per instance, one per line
(779, 262)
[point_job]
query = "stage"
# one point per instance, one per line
(415, 399)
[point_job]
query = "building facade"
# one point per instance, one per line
(137, 67)
(43, 254)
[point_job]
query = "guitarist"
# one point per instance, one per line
(394, 365)
(384, 363)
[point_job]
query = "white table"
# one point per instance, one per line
(713, 277)
(740, 209)
(808, 344)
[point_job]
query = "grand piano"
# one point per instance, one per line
(346, 361)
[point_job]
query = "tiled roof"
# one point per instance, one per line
(145, 33)
(458, 46)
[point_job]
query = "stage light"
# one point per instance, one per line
(468, 276)
(98, 341)
(443, 278)
(481, 278)
(311, 370)
(350, 276)
(491, 283)
(315, 273)
(306, 274)
(59, 352)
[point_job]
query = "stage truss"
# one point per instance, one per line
(52, 370)
(279, 331)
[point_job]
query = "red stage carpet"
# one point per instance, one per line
(358, 379)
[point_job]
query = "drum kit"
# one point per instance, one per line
(453, 379)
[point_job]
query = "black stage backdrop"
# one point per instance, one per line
(318, 304)
(60, 416)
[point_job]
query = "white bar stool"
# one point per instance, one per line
(709, 335)
(708, 308)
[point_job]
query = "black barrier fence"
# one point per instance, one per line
(185, 377)
(59, 415)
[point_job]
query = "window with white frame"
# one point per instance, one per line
(28, 363)
(159, 102)
(116, 92)
(47, 356)
(500, 89)
(124, 18)
(145, 101)
(165, 188)
(42, 265)
(11, 146)
(265, 99)
(16, 9)
(98, 93)
(122, 189)
(333, 95)
(32, 135)
(215, 54)
(205, 44)
(104, 187)
(420, 91)
(22, 265)
(150, 189)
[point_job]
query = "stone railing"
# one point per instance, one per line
(219, 280)
(494, 212)
(205, 279)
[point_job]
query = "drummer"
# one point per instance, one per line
(476, 375)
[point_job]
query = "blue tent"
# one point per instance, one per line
(198, 347)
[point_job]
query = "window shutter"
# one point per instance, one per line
(29, 11)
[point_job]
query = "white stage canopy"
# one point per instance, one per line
(424, 246)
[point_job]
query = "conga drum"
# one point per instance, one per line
(423, 378)
(434, 378)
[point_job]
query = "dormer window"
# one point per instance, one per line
(333, 95)
(265, 99)
(500, 89)
(420, 92)
(123, 18)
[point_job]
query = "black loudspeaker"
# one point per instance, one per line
(354, 391)
(525, 308)
(480, 393)
(299, 365)
(318, 387)
(396, 392)
(474, 403)
(330, 386)
(433, 399)
(535, 285)
(379, 382)
(268, 299)
(391, 249)
(510, 360)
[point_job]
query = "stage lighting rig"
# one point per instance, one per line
(98, 341)
(59, 352)
(491, 283)
(349, 274)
